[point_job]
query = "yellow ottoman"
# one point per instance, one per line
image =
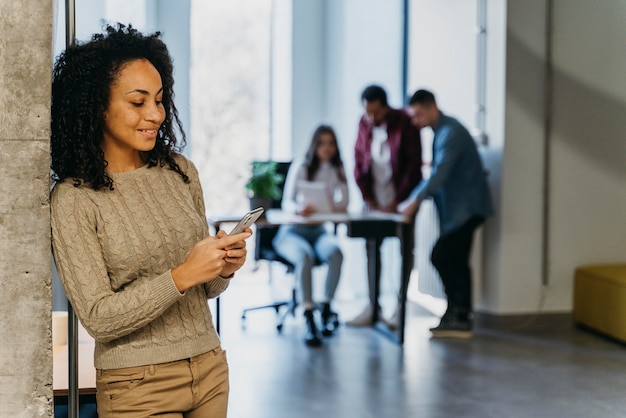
(600, 298)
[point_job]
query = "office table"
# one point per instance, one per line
(373, 226)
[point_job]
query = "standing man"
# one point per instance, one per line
(388, 158)
(458, 185)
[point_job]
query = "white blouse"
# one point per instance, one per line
(384, 190)
(337, 189)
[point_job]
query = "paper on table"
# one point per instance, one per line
(316, 194)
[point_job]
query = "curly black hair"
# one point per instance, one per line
(81, 83)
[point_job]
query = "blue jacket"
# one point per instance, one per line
(458, 181)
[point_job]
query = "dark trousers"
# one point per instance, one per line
(372, 251)
(450, 256)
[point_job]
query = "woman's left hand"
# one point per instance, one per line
(235, 254)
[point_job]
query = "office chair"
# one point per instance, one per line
(264, 250)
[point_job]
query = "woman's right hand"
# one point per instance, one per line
(205, 261)
(307, 210)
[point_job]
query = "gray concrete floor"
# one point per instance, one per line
(534, 370)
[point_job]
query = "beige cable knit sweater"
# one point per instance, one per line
(114, 251)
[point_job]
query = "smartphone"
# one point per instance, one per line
(247, 220)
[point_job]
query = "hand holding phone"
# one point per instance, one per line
(247, 220)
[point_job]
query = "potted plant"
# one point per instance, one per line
(264, 184)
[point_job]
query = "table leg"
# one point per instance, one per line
(406, 249)
(374, 232)
(373, 269)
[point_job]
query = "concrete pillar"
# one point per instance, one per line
(25, 292)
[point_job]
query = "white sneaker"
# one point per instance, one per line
(364, 319)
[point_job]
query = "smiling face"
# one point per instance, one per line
(133, 116)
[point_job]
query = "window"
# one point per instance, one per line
(238, 74)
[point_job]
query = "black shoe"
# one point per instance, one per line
(452, 327)
(330, 320)
(312, 337)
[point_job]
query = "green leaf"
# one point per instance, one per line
(264, 181)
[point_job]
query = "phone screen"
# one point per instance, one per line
(247, 220)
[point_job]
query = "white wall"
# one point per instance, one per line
(486, 290)
(587, 159)
(588, 196)
(442, 41)
(309, 60)
(172, 19)
(516, 283)
(281, 76)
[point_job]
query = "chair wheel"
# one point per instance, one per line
(279, 328)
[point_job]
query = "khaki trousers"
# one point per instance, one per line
(192, 388)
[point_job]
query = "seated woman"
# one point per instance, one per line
(302, 245)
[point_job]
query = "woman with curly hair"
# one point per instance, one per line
(129, 232)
